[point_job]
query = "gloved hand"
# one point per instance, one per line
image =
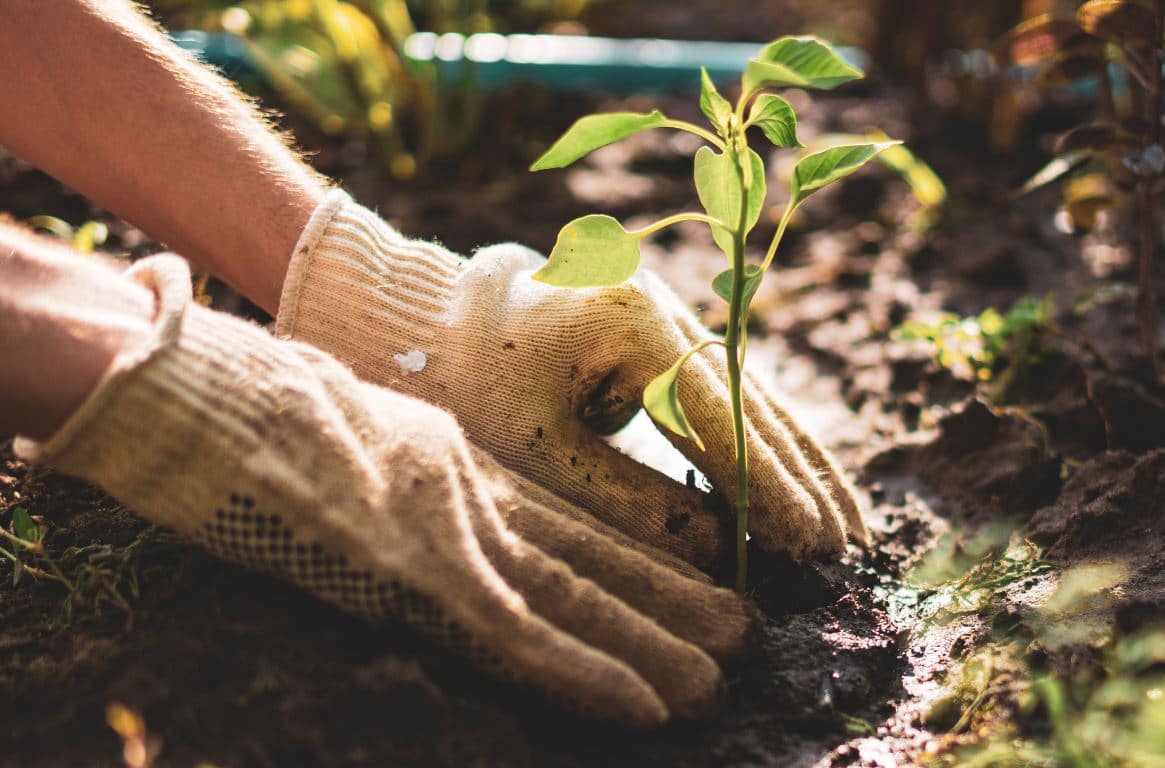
(275, 456)
(524, 366)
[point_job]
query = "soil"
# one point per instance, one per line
(233, 669)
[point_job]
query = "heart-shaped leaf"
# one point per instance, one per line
(594, 131)
(821, 169)
(591, 251)
(718, 187)
(722, 283)
(714, 106)
(776, 118)
(662, 402)
(803, 62)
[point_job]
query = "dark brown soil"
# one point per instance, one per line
(235, 669)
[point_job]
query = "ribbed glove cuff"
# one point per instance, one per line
(162, 408)
(354, 284)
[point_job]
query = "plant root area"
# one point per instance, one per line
(232, 669)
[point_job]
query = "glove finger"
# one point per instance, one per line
(790, 511)
(717, 620)
(494, 629)
(764, 406)
(794, 510)
(581, 608)
(631, 497)
(537, 495)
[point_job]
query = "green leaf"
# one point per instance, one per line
(803, 62)
(661, 399)
(594, 131)
(718, 187)
(821, 169)
(592, 251)
(714, 106)
(23, 525)
(722, 283)
(776, 118)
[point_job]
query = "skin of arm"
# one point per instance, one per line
(98, 97)
(63, 319)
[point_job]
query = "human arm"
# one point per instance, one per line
(62, 321)
(368, 499)
(98, 97)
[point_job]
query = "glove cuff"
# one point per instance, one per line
(171, 414)
(355, 284)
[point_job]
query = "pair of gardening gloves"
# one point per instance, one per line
(453, 477)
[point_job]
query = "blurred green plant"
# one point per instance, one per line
(1005, 708)
(342, 64)
(992, 347)
(1118, 155)
(925, 184)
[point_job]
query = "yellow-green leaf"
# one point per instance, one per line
(594, 131)
(714, 106)
(776, 118)
(662, 402)
(802, 62)
(722, 283)
(820, 169)
(718, 186)
(591, 251)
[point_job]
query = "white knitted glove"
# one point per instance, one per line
(274, 455)
(522, 365)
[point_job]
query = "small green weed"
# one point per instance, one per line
(1010, 705)
(993, 347)
(94, 576)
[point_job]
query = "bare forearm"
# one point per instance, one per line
(63, 319)
(95, 95)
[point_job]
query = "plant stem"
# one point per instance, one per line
(780, 233)
(683, 125)
(676, 219)
(732, 340)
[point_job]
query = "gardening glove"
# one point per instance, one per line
(274, 455)
(529, 369)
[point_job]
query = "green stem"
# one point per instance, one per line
(732, 343)
(10, 555)
(32, 546)
(676, 219)
(707, 136)
(780, 233)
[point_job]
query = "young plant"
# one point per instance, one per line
(1117, 156)
(596, 250)
(999, 348)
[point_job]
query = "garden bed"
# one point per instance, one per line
(234, 669)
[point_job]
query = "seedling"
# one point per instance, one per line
(25, 538)
(92, 576)
(999, 348)
(596, 250)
